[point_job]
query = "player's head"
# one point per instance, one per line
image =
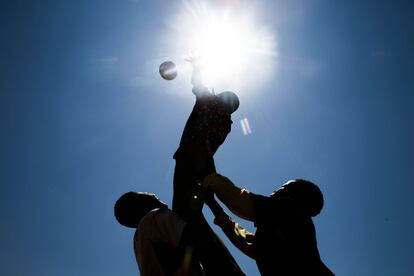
(230, 101)
(305, 193)
(131, 207)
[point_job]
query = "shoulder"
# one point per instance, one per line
(162, 225)
(156, 225)
(151, 217)
(267, 208)
(261, 203)
(201, 91)
(160, 216)
(206, 98)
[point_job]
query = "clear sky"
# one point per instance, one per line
(85, 117)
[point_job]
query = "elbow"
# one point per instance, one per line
(245, 207)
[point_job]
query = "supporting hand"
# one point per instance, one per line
(213, 204)
(207, 197)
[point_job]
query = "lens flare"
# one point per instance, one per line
(245, 127)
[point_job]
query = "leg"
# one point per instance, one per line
(191, 167)
(214, 256)
(211, 251)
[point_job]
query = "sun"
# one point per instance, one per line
(223, 46)
(232, 47)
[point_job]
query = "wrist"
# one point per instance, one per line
(215, 207)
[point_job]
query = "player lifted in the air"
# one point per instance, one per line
(206, 129)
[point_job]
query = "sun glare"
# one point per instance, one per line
(229, 43)
(223, 48)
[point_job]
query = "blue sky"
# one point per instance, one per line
(85, 118)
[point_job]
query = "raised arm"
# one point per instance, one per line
(239, 201)
(199, 89)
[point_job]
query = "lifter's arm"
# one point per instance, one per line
(240, 237)
(238, 200)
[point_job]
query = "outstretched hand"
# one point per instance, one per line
(196, 79)
(195, 61)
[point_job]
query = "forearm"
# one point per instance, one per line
(238, 200)
(214, 206)
(240, 237)
(196, 78)
(199, 89)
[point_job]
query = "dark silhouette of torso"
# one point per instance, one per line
(285, 239)
(206, 129)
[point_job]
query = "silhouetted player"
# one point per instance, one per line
(285, 238)
(206, 129)
(163, 243)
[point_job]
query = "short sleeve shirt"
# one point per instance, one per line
(207, 126)
(157, 227)
(285, 239)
